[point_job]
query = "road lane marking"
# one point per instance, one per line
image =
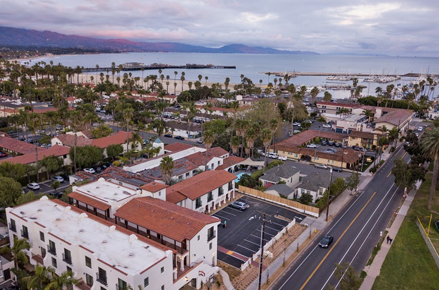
(404, 154)
(362, 229)
(335, 244)
(389, 174)
(220, 217)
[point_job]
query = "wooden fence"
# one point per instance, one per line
(306, 209)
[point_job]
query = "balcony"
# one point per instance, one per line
(120, 287)
(211, 237)
(13, 228)
(25, 234)
(101, 279)
(67, 259)
(51, 250)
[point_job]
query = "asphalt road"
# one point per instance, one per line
(356, 230)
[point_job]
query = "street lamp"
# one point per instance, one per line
(262, 250)
(329, 193)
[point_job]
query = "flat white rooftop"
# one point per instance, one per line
(107, 191)
(125, 252)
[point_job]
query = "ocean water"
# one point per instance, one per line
(253, 66)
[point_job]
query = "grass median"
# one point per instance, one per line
(409, 264)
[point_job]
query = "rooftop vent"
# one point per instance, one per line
(39, 209)
(131, 254)
(104, 241)
(81, 230)
(22, 212)
(58, 219)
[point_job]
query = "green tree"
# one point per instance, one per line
(101, 131)
(39, 280)
(430, 148)
(10, 191)
(87, 156)
(114, 150)
(348, 277)
(62, 281)
(406, 175)
(55, 185)
(234, 144)
(266, 140)
(327, 97)
(27, 197)
(305, 198)
(352, 181)
(12, 170)
(167, 168)
(16, 250)
(337, 186)
(52, 164)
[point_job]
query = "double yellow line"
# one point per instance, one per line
(335, 244)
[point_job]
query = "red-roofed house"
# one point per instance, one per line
(15, 146)
(59, 151)
(203, 192)
(229, 163)
(192, 234)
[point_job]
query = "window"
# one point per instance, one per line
(209, 196)
(198, 203)
(187, 174)
(198, 237)
(67, 256)
(162, 269)
(54, 262)
(12, 226)
(42, 236)
(25, 233)
(43, 252)
(218, 163)
(210, 246)
(146, 282)
(52, 248)
(163, 287)
(102, 276)
(69, 270)
(220, 191)
(122, 285)
(88, 279)
(88, 261)
(180, 177)
(230, 186)
(210, 234)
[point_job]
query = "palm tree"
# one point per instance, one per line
(234, 144)
(36, 122)
(430, 148)
(127, 116)
(274, 123)
(314, 92)
(327, 97)
(167, 167)
(250, 138)
(175, 75)
(208, 139)
(266, 140)
(39, 280)
(226, 83)
(17, 251)
(206, 78)
(62, 281)
(369, 114)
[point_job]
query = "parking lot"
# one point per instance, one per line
(241, 237)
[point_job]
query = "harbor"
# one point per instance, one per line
(137, 66)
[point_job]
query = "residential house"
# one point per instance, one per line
(279, 190)
(286, 173)
(17, 147)
(314, 184)
(62, 152)
(204, 192)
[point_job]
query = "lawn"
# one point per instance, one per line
(409, 264)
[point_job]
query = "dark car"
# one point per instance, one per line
(239, 205)
(65, 176)
(336, 144)
(178, 138)
(2, 154)
(56, 194)
(337, 169)
(326, 241)
(168, 135)
(356, 148)
(324, 143)
(330, 143)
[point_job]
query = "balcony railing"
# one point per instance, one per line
(51, 250)
(67, 259)
(119, 287)
(25, 234)
(101, 279)
(211, 237)
(13, 228)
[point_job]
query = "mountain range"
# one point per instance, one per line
(10, 36)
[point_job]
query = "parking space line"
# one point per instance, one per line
(223, 211)
(251, 242)
(220, 217)
(278, 224)
(253, 251)
(260, 237)
(265, 233)
(270, 228)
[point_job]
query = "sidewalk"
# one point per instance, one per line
(374, 269)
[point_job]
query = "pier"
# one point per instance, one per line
(141, 66)
(353, 75)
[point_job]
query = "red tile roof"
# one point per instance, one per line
(395, 117)
(154, 186)
(217, 151)
(165, 218)
(17, 146)
(202, 183)
(202, 158)
(174, 197)
(90, 201)
(230, 161)
(174, 147)
(56, 150)
(69, 140)
(308, 135)
(118, 138)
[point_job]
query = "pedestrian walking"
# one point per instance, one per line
(381, 234)
(388, 239)
(391, 240)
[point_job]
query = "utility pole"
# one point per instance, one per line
(262, 250)
(329, 193)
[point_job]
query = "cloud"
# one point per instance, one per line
(396, 27)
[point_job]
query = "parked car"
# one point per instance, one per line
(2, 154)
(312, 145)
(330, 150)
(296, 131)
(33, 186)
(296, 124)
(330, 143)
(65, 176)
(168, 135)
(199, 141)
(326, 126)
(272, 155)
(324, 143)
(55, 194)
(336, 144)
(321, 166)
(90, 170)
(326, 241)
(420, 129)
(356, 148)
(179, 138)
(239, 205)
(337, 169)
(57, 178)
(282, 158)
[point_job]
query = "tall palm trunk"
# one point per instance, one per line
(74, 151)
(434, 180)
(36, 154)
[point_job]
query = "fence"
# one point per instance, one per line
(427, 240)
(306, 209)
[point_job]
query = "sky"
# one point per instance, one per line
(404, 27)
